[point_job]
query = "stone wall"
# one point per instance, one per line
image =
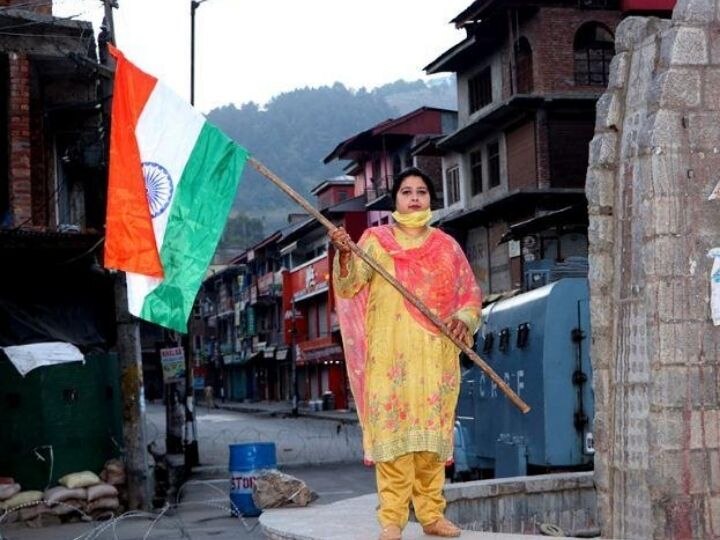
(654, 162)
(520, 505)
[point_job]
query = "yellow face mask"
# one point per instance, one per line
(413, 220)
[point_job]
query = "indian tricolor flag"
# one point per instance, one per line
(172, 181)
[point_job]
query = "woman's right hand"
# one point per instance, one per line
(341, 240)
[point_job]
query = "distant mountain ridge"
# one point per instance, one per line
(292, 135)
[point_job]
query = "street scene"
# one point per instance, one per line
(436, 269)
(201, 507)
(301, 441)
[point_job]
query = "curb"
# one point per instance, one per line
(351, 418)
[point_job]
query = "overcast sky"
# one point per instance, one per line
(254, 49)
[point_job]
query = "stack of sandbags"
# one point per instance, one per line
(65, 501)
(113, 473)
(100, 498)
(22, 505)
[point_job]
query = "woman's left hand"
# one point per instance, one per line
(457, 329)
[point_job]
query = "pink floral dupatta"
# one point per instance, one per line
(437, 272)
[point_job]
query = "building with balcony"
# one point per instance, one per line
(528, 77)
(310, 323)
(377, 154)
(239, 347)
(53, 168)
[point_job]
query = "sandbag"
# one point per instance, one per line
(31, 512)
(79, 479)
(106, 503)
(20, 499)
(100, 491)
(68, 506)
(114, 466)
(61, 493)
(9, 490)
(113, 478)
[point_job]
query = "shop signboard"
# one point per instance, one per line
(173, 364)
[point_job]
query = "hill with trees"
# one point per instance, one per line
(294, 132)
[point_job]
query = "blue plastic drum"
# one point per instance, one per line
(247, 461)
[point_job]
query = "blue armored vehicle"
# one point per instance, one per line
(538, 342)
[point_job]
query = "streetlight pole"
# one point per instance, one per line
(194, 4)
(192, 453)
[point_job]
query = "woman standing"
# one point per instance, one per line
(404, 373)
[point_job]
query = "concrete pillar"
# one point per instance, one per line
(654, 163)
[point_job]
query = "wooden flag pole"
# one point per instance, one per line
(414, 300)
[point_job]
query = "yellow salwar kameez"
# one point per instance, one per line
(411, 382)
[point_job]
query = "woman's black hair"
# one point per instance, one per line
(413, 171)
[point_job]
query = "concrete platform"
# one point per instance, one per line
(351, 519)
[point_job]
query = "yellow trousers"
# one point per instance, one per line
(417, 476)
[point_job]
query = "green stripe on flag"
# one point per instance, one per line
(197, 218)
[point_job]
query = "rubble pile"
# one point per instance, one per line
(273, 489)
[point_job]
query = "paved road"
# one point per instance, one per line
(299, 441)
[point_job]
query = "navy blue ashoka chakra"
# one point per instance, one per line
(159, 187)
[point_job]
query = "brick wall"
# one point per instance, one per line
(38, 6)
(20, 175)
(551, 34)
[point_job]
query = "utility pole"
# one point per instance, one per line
(293, 361)
(192, 453)
(133, 400)
(129, 356)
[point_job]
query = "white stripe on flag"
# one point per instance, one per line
(166, 133)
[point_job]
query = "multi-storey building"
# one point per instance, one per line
(53, 169)
(379, 153)
(528, 76)
(311, 327)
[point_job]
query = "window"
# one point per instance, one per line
(523, 67)
(476, 175)
(376, 173)
(480, 90)
(493, 150)
(312, 321)
(397, 164)
(594, 48)
(452, 178)
(322, 318)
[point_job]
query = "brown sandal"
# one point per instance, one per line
(442, 527)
